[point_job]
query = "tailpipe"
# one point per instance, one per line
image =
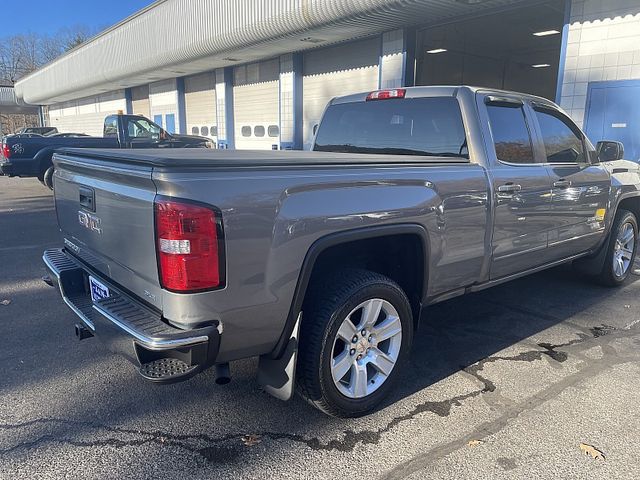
(82, 332)
(223, 373)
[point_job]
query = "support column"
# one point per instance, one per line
(397, 59)
(224, 107)
(128, 102)
(291, 101)
(182, 110)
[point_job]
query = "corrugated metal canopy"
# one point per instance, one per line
(172, 38)
(10, 104)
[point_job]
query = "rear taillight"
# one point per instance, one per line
(190, 246)
(6, 151)
(387, 94)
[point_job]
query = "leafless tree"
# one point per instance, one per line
(24, 53)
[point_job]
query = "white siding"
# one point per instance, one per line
(603, 44)
(336, 71)
(200, 104)
(87, 114)
(163, 99)
(140, 101)
(256, 104)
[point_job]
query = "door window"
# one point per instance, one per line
(140, 128)
(510, 132)
(562, 140)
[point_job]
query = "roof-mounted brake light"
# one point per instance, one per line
(387, 94)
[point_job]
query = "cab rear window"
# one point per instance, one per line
(410, 126)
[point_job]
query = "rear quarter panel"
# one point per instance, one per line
(272, 216)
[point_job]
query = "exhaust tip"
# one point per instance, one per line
(223, 374)
(82, 332)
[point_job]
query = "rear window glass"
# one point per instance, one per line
(413, 126)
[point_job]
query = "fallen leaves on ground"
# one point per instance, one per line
(591, 451)
(251, 440)
(5, 302)
(474, 443)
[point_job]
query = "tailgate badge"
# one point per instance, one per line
(90, 222)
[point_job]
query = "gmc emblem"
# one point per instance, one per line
(90, 222)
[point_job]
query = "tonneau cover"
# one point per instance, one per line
(205, 158)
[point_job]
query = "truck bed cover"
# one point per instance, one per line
(206, 158)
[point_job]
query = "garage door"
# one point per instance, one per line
(200, 105)
(331, 72)
(87, 114)
(256, 105)
(140, 100)
(163, 97)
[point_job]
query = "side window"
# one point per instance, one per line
(258, 131)
(195, 131)
(562, 140)
(246, 131)
(111, 127)
(511, 135)
(204, 131)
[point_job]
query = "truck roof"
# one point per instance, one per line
(439, 91)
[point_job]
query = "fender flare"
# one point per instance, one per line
(44, 156)
(592, 265)
(331, 240)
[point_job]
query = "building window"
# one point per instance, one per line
(204, 131)
(213, 131)
(195, 131)
(274, 130)
(258, 131)
(246, 131)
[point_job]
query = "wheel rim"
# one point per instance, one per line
(366, 348)
(623, 249)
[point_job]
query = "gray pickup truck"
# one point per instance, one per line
(320, 263)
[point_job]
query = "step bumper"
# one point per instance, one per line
(125, 325)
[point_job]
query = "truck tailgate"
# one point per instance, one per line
(106, 213)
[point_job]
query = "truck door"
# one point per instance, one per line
(580, 190)
(521, 187)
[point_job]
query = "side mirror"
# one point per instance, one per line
(315, 129)
(164, 135)
(608, 151)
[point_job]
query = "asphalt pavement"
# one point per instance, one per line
(505, 383)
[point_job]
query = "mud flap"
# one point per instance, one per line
(278, 376)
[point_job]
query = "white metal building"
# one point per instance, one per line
(258, 73)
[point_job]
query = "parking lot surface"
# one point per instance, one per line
(505, 383)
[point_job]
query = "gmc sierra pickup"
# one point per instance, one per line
(321, 263)
(29, 155)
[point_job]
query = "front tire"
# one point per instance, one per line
(356, 335)
(621, 250)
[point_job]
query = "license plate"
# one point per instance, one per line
(98, 289)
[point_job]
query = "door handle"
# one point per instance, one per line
(509, 188)
(562, 183)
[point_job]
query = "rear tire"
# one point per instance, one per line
(340, 376)
(621, 250)
(47, 178)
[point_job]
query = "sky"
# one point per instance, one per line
(47, 17)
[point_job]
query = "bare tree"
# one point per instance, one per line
(22, 54)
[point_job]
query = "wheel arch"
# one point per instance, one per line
(349, 237)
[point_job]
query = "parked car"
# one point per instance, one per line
(321, 263)
(31, 156)
(44, 131)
